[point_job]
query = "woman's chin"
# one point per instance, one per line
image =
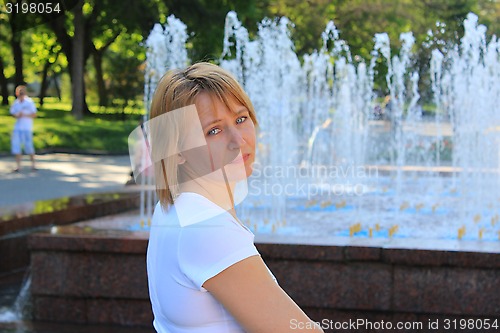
(249, 170)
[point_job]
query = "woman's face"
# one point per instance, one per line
(230, 136)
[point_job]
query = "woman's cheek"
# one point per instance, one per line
(214, 150)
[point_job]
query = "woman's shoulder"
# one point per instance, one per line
(164, 216)
(192, 211)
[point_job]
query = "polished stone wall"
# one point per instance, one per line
(17, 222)
(85, 274)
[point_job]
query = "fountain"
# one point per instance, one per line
(357, 217)
(318, 131)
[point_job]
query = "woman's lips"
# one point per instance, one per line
(241, 158)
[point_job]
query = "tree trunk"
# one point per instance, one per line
(68, 45)
(101, 87)
(3, 85)
(17, 51)
(98, 55)
(43, 85)
(56, 85)
(45, 72)
(77, 65)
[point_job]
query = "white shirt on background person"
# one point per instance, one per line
(27, 107)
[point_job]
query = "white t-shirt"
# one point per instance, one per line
(182, 255)
(27, 106)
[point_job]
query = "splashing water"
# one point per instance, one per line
(18, 312)
(324, 155)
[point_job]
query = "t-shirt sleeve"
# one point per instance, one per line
(33, 107)
(207, 248)
(13, 108)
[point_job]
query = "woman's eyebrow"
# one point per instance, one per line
(212, 122)
(238, 111)
(241, 110)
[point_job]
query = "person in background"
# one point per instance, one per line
(24, 111)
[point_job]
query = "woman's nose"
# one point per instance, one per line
(236, 138)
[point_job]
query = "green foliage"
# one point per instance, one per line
(115, 31)
(124, 74)
(205, 21)
(489, 14)
(55, 127)
(309, 17)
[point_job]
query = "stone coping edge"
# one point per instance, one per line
(135, 242)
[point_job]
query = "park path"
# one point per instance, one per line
(61, 175)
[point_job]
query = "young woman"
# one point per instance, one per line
(205, 274)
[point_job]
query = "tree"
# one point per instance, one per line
(98, 54)
(98, 17)
(16, 24)
(71, 20)
(489, 15)
(4, 54)
(3, 84)
(78, 63)
(111, 19)
(45, 57)
(450, 15)
(205, 19)
(309, 17)
(126, 77)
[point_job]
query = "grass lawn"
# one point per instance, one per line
(55, 127)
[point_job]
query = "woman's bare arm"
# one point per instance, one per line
(248, 292)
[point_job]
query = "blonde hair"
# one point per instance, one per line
(178, 89)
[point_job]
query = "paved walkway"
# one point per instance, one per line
(61, 175)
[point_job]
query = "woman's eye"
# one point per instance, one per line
(241, 119)
(214, 131)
